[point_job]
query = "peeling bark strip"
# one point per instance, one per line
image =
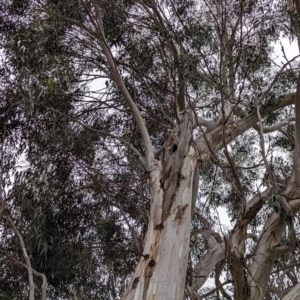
(162, 275)
(174, 152)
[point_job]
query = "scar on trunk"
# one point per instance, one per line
(135, 282)
(151, 263)
(159, 226)
(180, 211)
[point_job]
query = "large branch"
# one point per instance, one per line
(278, 126)
(238, 237)
(252, 209)
(293, 294)
(207, 263)
(218, 252)
(268, 250)
(209, 235)
(266, 129)
(248, 122)
(235, 129)
(206, 123)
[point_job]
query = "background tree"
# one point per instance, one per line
(120, 110)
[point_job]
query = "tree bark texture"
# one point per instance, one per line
(161, 270)
(293, 294)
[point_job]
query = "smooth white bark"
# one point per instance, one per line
(207, 264)
(162, 275)
(26, 257)
(293, 294)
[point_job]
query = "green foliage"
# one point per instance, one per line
(48, 83)
(79, 195)
(276, 203)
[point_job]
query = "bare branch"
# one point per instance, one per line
(206, 123)
(210, 236)
(266, 129)
(28, 264)
(234, 130)
(207, 263)
(262, 145)
(279, 73)
(215, 289)
(293, 294)
(36, 273)
(251, 236)
(119, 81)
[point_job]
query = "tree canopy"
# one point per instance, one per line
(119, 119)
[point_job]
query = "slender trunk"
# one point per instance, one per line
(264, 258)
(268, 250)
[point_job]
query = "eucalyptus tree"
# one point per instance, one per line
(138, 119)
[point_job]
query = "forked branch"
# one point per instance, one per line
(28, 263)
(36, 273)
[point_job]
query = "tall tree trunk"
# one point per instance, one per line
(161, 270)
